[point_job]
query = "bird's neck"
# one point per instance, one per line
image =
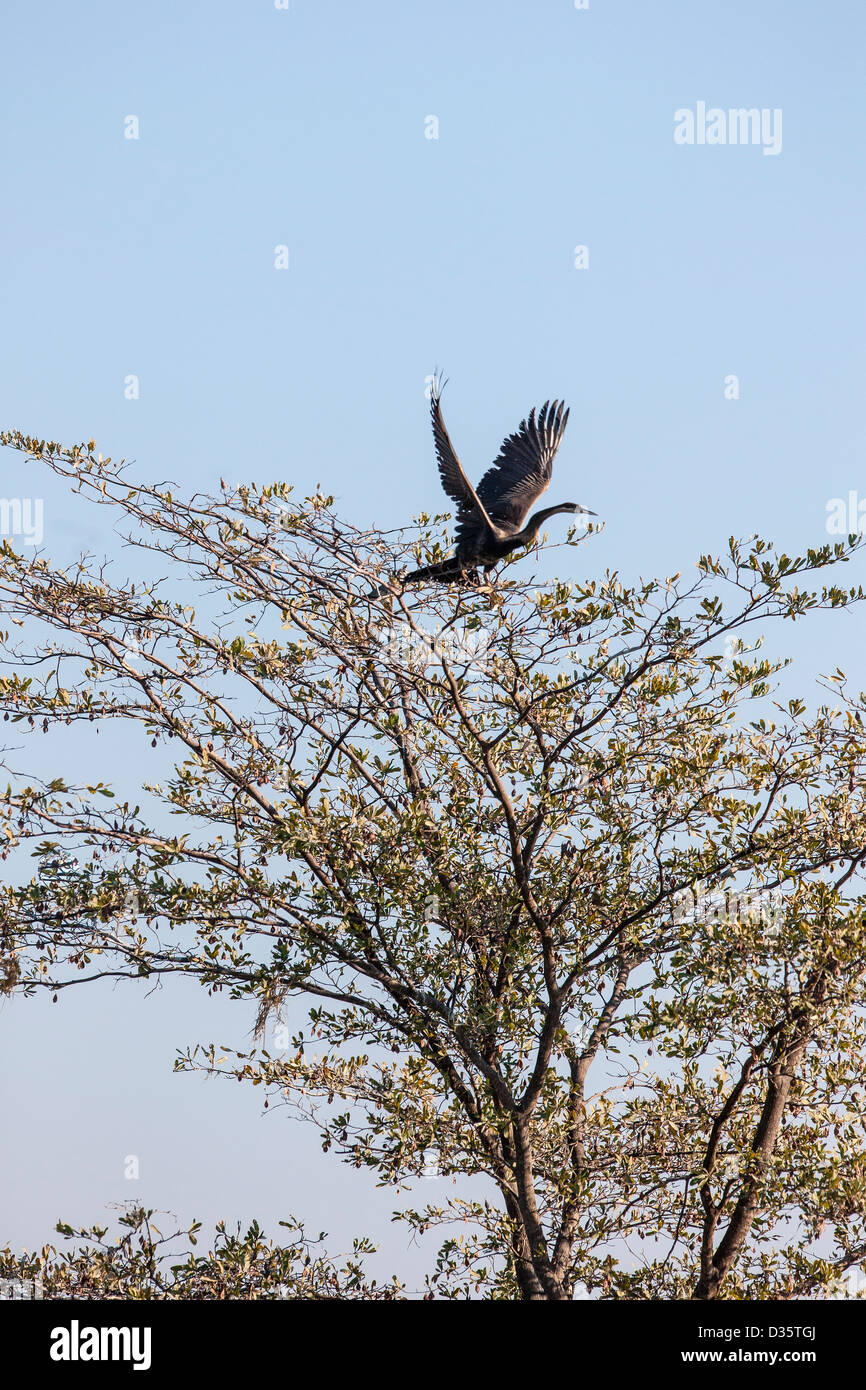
(536, 521)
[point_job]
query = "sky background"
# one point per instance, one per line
(307, 128)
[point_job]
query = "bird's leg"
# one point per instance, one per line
(486, 582)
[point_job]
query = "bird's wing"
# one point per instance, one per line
(521, 471)
(454, 480)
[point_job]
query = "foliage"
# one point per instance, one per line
(136, 1264)
(574, 900)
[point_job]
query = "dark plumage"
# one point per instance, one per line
(492, 520)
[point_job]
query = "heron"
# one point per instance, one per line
(492, 519)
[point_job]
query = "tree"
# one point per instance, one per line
(571, 900)
(136, 1264)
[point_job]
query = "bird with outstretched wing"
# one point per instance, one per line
(492, 519)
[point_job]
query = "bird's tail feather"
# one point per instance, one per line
(442, 572)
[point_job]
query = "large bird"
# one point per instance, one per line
(492, 520)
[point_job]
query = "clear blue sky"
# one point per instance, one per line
(155, 257)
